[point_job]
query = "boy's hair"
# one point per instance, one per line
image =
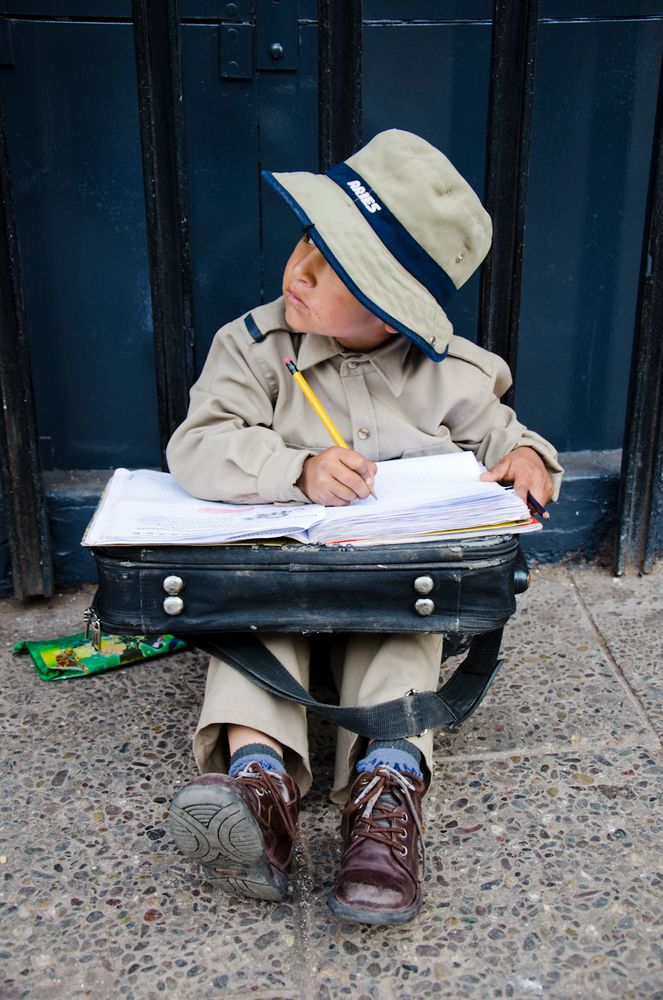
(401, 228)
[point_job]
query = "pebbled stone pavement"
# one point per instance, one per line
(544, 828)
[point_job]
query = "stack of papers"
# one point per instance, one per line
(417, 499)
(144, 507)
(436, 495)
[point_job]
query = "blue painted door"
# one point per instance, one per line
(70, 96)
(242, 233)
(426, 68)
(69, 90)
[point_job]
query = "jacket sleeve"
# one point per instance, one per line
(226, 449)
(479, 422)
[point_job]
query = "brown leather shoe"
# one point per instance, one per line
(379, 881)
(241, 829)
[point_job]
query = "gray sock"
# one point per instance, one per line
(258, 753)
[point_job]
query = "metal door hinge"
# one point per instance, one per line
(236, 53)
(236, 41)
(276, 38)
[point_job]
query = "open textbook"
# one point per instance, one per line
(433, 497)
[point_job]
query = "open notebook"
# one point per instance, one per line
(417, 499)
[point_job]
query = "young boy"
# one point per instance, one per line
(387, 237)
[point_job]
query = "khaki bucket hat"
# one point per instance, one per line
(401, 228)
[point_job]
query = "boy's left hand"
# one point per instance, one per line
(525, 469)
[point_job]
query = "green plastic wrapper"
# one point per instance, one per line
(73, 656)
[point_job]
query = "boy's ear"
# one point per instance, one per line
(390, 329)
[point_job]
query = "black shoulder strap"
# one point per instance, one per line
(408, 716)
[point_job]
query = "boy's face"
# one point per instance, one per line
(317, 301)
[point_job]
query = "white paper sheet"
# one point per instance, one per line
(144, 507)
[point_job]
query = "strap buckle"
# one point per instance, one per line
(408, 694)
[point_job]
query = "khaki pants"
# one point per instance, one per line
(368, 670)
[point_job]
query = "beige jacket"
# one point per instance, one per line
(249, 427)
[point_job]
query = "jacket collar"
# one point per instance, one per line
(390, 360)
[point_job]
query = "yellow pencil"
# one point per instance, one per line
(317, 405)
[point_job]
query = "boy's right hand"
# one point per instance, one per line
(336, 477)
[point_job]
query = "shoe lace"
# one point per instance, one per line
(379, 809)
(272, 782)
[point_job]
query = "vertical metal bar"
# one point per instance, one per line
(339, 79)
(159, 77)
(511, 97)
(640, 488)
(20, 472)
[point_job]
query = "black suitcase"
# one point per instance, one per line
(220, 598)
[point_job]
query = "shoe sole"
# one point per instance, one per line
(211, 824)
(386, 918)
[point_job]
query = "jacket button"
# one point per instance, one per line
(363, 433)
(424, 606)
(424, 584)
(173, 584)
